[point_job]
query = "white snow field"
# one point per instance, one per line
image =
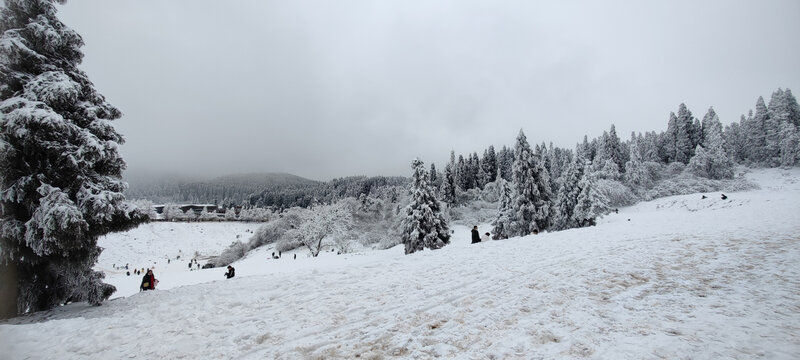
(685, 278)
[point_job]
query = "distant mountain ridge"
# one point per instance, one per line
(222, 190)
(280, 190)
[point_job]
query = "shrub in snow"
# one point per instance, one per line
(673, 169)
(423, 226)
(61, 179)
(145, 206)
(615, 193)
(234, 252)
(688, 183)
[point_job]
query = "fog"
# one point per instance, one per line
(325, 89)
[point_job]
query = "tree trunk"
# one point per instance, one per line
(8, 290)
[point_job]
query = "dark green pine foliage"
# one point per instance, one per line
(61, 184)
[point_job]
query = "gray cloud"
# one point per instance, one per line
(328, 89)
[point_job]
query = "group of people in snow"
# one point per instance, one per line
(476, 237)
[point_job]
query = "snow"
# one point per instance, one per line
(677, 277)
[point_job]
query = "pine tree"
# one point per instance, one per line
(61, 181)
(424, 226)
(568, 194)
(757, 133)
(435, 179)
(614, 148)
(489, 163)
(463, 173)
(711, 161)
(502, 221)
(505, 162)
(790, 145)
(684, 136)
(637, 176)
(734, 141)
(591, 204)
(449, 182)
(669, 140)
(532, 203)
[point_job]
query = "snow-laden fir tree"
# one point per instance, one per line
(735, 142)
(568, 194)
(757, 133)
(424, 226)
(591, 204)
(637, 174)
(667, 139)
(450, 187)
(783, 120)
(502, 221)
(711, 161)
(61, 179)
(532, 195)
(684, 136)
(790, 145)
(489, 164)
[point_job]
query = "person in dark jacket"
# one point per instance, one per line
(231, 272)
(476, 237)
(148, 281)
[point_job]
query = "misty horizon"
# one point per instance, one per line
(328, 90)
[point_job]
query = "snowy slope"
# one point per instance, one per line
(150, 245)
(685, 277)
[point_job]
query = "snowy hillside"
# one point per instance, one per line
(151, 245)
(678, 277)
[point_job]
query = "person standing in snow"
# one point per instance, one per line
(148, 281)
(485, 237)
(476, 237)
(231, 272)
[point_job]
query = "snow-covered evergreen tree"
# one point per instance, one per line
(61, 178)
(790, 145)
(424, 226)
(668, 139)
(532, 202)
(637, 175)
(435, 178)
(501, 223)
(614, 148)
(757, 133)
(449, 183)
(505, 161)
(591, 204)
(489, 163)
(784, 116)
(711, 161)
(684, 136)
(735, 141)
(568, 194)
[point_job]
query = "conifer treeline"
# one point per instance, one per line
(555, 188)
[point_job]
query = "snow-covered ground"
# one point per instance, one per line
(678, 277)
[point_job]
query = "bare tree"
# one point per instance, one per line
(323, 222)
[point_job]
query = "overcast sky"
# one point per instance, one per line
(325, 89)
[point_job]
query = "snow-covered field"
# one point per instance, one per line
(675, 278)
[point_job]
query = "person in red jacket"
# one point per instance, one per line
(149, 281)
